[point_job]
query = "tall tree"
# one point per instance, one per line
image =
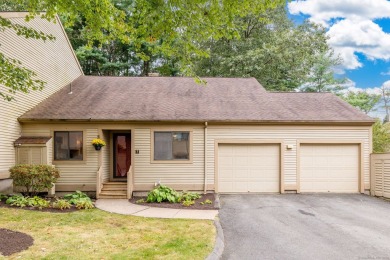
(321, 76)
(385, 92)
(179, 26)
(380, 137)
(271, 48)
(364, 101)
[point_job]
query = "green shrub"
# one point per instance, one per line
(140, 201)
(3, 197)
(80, 200)
(34, 178)
(61, 204)
(84, 204)
(38, 202)
(163, 193)
(188, 203)
(206, 202)
(77, 196)
(189, 196)
(17, 200)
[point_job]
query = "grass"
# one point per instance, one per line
(95, 234)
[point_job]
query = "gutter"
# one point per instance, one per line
(205, 158)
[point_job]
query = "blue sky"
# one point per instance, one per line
(359, 32)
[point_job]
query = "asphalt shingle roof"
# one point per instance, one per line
(181, 99)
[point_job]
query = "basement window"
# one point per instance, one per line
(171, 146)
(68, 145)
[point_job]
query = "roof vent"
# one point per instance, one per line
(154, 74)
(70, 89)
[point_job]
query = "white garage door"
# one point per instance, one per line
(329, 168)
(248, 168)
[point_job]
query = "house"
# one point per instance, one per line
(228, 136)
(53, 61)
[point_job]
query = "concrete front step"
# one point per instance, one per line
(113, 195)
(114, 188)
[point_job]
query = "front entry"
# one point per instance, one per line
(122, 156)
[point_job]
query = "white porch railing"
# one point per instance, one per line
(130, 182)
(99, 182)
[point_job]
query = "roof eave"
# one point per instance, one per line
(268, 122)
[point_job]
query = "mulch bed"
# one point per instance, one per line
(197, 205)
(72, 209)
(12, 242)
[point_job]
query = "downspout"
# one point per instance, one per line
(205, 158)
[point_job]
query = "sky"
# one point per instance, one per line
(359, 31)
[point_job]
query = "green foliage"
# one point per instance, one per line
(381, 137)
(362, 100)
(3, 197)
(16, 78)
(321, 76)
(76, 197)
(38, 202)
(140, 201)
(188, 203)
(17, 200)
(133, 34)
(61, 204)
(84, 204)
(80, 200)
(34, 178)
(206, 202)
(21, 201)
(189, 196)
(278, 53)
(163, 193)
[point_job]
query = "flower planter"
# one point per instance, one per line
(97, 148)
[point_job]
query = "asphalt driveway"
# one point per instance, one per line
(292, 226)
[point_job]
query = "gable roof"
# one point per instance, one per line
(96, 98)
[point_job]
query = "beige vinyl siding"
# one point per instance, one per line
(53, 62)
(290, 136)
(80, 174)
(179, 175)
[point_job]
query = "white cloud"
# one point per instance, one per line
(386, 73)
(351, 27)
(322, 11)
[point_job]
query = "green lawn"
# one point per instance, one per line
(95, 234)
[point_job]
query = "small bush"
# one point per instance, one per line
(80, 200)
(206, 202)
(38, 202)
(76, 196)
(140, 201)
(84, 204)
(189, 196)
(34, 178)
(61, 204)
(188, 203)
(3, 197)
(17, 201)
(163, 193)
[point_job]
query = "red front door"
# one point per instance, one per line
(122, 155)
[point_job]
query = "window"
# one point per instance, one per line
(171, 146)
(68, 145)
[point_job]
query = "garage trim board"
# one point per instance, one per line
(278, 142)
(359, 143)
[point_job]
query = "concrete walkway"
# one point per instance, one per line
(124, 207)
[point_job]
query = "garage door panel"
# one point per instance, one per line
(329, 168)
(248, 168)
